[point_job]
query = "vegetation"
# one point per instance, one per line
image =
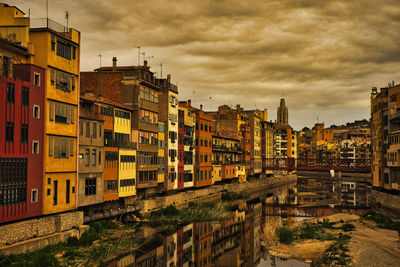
(307, 230)
(337, 253)
(92, 247)
(196, 212)
(382, 221)
(232, 196)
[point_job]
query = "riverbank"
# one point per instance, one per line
(339, 239)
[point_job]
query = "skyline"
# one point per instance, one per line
(273, 50)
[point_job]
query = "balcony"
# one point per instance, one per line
(120, 144)
(226, 148)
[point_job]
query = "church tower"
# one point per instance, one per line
(283, 114)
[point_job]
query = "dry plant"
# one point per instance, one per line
(268, 235)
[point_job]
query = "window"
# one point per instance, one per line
(50, 146)
(63, 81)
(10, 92)
(130, 158)
(94, 130)
(63, 50)
(67, 191)
(34, 196)
(24, 133)
(55, 188)
(71, 147)
(107, 111)
(110, 156)
(25, 96)
(9, 132)
(53, 43)
(100, 130)
(36, 112)
(81, 128)
(35, 147)
(94, 157)
(90, 186)
(61, 148)
(87, 157)
(74, 52)
(108, 138)
(87, 129)
(122, 114)
(6, 66)
(36, 79)
(99, 157)
(62, 113)
(13, 181)
(127, 182)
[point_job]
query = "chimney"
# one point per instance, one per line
(114, 64)
(201, 107)
(145, 64)
(169, 78)
(189, 103)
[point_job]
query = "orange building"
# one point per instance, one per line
(203, 133)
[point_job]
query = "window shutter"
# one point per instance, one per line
(67, 113)
(71, 147)
(72, 115)
(51, 111)
(50, 146)
(66, 148)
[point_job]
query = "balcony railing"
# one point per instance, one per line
(48, 23)
(120, 144)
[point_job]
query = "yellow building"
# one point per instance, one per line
(57, 50)
(127, 172)
(161, 160)
(15, 26)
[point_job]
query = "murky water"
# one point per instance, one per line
(234, 242)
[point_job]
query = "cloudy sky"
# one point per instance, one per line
(323, 57)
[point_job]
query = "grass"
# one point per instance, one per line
(307, 230)
(91, 248)
(232, 196)
(336, 254)
(382, 221)
(196, 212)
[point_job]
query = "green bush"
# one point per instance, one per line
(73, 241)
(347, 227)
(382, 221)
(285, 235)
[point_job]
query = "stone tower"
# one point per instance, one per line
(283, 114)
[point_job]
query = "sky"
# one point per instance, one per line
(323, 57)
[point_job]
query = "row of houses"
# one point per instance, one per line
(100, 139)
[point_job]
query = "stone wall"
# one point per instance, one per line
(19, 231)
(384, 200)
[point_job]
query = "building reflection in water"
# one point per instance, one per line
(233, 242)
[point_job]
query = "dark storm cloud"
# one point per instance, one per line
(322, 56)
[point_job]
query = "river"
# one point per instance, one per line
(234, 242)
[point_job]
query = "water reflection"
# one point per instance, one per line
(234, 242)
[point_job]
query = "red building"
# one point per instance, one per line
(21, 140)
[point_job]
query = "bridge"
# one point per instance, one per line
(316, 164)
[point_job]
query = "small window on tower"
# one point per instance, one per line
(36, 112)
(36, 79)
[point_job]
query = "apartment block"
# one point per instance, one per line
(22, 95)
(91, 154)
(385, 126)
(133, 87)
(186, 145)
